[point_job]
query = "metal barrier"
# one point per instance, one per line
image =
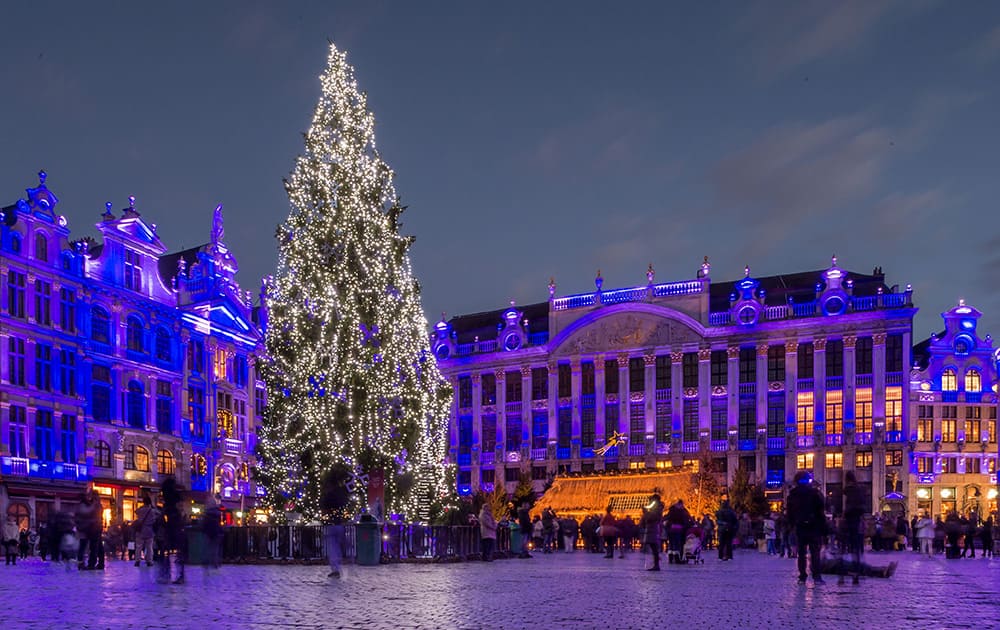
(400, 541)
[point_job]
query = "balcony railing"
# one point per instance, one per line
(562, 452)
(749, 444)
(513, 407)
(720, 445)
(812, 308)
(805, 441)
(663, 394)
(538, 454)
(834, 382)
(863, 380)
(893, 437)
(863, 438)
(748, 388)
(775, 443)
(636, 450)
(690, 446)
(233, 446)
(487, 458)
(805, 384)
(662, 448)
(25, 467)
(893, 378)
(834, 439)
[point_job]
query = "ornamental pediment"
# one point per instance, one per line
(627, 331)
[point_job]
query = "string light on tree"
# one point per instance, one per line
(351, 382)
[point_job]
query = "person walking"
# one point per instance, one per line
(727, 523)
(971, 530)
(88, 528)
(175, 536)
(805, 514)
(10, 534)
(770, 534)
(525, 525)
(145, 518)
(924, 533)
(487, 532)
(854, 509)
(211, 526)
(678, 520)
(569, 529)
(333, 501)
(609, 532)
(986, 536)
(707, 531)
(652, 515)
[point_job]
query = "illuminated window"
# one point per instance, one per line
(862, 410)
(948, 430)
(133, 270)
(925, 429)
(894, 458)
(973, 428)
(165, 462)
(134, 335)
(221, 359)
(863, 459)
(692, 464)
(973, 381)
(834, 460)
(804, 461)
(637, 465)
(835, 411)
(894, 409)
(949, 465)
(949, 381)
(805, 413)
(925, 465)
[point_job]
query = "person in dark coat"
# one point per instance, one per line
(986, 536)
(971, 529)
(854, 510)
(88, 528)
(174, 518)
(806, 515)
(652, 515)
(524, 523)
(727, 523)
(678, 520)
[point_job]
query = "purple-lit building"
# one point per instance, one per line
(121, 364)
(774, 375)
(953, 403)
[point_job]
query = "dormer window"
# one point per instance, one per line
(41, 248)
(949, 381)
(973, 381)
(133, 270)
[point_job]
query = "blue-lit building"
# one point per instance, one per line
(121, 364)
(805, 371)
(953, 399)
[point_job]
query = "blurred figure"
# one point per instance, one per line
(924, 533)
(174, 521)
(678, 520)
(987, 537)
(43, 540)
(10, 535)
(569, 529)
(728, 524)
(211, 526)
(487, 531)
(88, 529)
(142, 528)
(333, 500)
(524, 523)
(609, 532)
(854, 510)
(652, 515)
(806, 515)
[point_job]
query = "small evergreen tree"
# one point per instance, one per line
(524, 491)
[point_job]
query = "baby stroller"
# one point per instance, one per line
(692, 547)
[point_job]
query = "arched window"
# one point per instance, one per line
(165, 462)
(162, 347)
(41, 247)
(136, 405)
(949, 381)
(21, 514)
(141, 459)
(102, 454)
(973, 381)
(134, 334)
(100, 325)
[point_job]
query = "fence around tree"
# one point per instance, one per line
(400, 542)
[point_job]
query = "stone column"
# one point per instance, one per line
(819, 406)
(649, 406)
(527, 422)
(599, 402)
(576, 392)
(477, 427)
(553, 412)
(761, 401)
(733, 388)
(705, 397)
(676, 408)
(452, 425)
(791, 404)
(500, 459)
(623, 401)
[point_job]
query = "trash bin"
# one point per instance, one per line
(515, 539)
(368, 542)
(197, 546)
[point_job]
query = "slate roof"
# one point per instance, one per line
(167, 265)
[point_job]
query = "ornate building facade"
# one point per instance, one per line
(953, 403)
(796, 372)
(121, 364)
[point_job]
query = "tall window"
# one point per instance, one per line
(636, 375)
(949, 381)
(588, 426)
(611, 414)
(513, 386)
(564, 375)
(464, 392)
(41, 248)
(164, 462)
(663, 422)
(196, 356)
(259, 401)
(221, 364)
(539, 429)
(240, 371)
(514, 432)
(16, 282)
(102, 454)
(564, 427)
(162, 345)
(973, 381)
(539, 383)
(973, 425)
(689, 369)
(835, 358)
(45, 442)
(611, 376)
(134, 335)
(775, 415)
(720, 419)
(806, 359)
(196, 409)
(100, 393)
(240, 411)
(748, 419)
(141, 459)
(690, 420)
(43, 303)
(863, 410)
(68, 442)
(925, 423)
(15, 361)
(893, 408)
(100, 325)
(67, 310)
(587, 378)
(719, 368)
(663, 371)
(488, 390)
(776, 363)
(164, 407)
(949, 430)
(804, 461)
(133, 270)
(67, 371)
(17, 431)
(894, 353)
(748, 365)
(489, 436)
(835, 411)
(863, 355)
(136, 404)
(43, 367)
(805, 413)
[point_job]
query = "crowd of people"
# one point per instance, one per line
(80, 539)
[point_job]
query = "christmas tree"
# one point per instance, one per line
(351, 381)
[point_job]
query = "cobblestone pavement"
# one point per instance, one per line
(576, 590)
